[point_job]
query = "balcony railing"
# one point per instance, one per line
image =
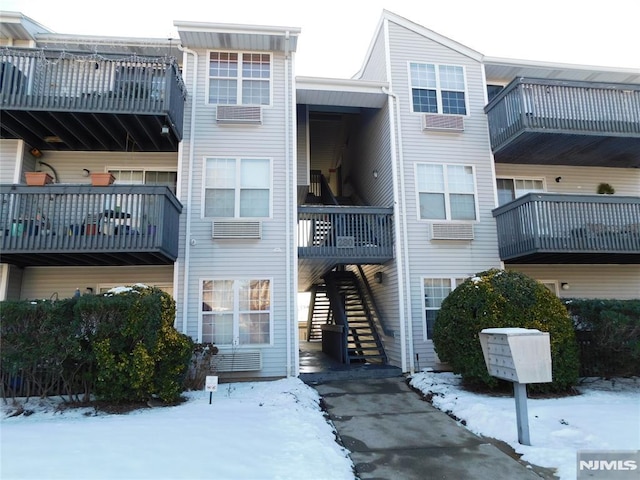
(565, 228)
(581, 109)
(55, 81)
(85, 225)
(346, 234)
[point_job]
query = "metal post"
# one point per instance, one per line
(522, 417)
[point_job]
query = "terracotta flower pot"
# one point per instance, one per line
(102, 179)
(38, 178)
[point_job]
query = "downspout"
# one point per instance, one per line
(290, 301)
(400, 246)
(187, 229)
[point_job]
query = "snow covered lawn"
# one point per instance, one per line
(606, 416)
(257, 430)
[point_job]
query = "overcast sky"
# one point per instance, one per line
(336, 33)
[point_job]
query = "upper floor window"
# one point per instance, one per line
(511, 188)
(446, 192)
(239, 78)
(237, 187)
(438, 88)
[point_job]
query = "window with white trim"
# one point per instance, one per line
(237, 187)
(435, 290)
(511, 188)
(145, 177)
(446, 192)
(236, 312)
(438, 88)
(239, 78)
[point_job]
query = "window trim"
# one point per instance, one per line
(439, 89)
(236, 312)
(239, 78)
(236, 188)
(454, 281)
(447, 203)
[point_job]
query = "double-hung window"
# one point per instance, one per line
(435, 290)
(237, 187)
(236, 312)
(438, 89)
(446, 192)
(239, 78)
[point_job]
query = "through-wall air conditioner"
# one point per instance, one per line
(239, 114)
(443, 123)
(243, 361)
(452, 231)
(222, 229)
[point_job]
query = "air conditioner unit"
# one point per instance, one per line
(443, 123)
(222, 229)
(243, 361)
(239, 114)
(452, 231)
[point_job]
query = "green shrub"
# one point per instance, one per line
(611, 335)
(496, 299)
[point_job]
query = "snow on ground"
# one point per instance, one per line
(276, 430)
(605, 416)
(256, 430)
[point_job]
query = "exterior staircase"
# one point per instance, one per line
(351, 311)
(319, 313)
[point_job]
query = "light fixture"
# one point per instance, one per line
(378, 276)
(164, 131)
(565, 286)
(86, 172)
(35, 152)
(375, 174)
(88, 291)
(558, 179)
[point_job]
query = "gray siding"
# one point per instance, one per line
(239, 259)
(303, 144)
(8, 160)
(42, 282)
(471, 147)
(588, 281)
(375, 67)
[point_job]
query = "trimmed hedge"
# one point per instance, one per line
(121, 347)
(609, 335)
(496, 299)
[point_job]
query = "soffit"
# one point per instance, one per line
(340, 92)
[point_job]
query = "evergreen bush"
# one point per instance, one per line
(497, 299)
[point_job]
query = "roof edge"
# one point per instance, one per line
(502, 61)
(234, 28)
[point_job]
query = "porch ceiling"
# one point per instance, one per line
(340, 92)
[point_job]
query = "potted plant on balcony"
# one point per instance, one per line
(102, 179)
(605, 188)
(38, 178)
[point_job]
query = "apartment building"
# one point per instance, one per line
(237, 184)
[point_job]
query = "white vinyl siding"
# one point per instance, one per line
(239, 78)
(237, 188)
(446, 192)
(236, 312)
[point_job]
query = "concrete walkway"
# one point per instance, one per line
(393, 434)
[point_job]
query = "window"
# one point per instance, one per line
(438, 89)
(146, 177)
(239, 78)
(236, 312)
(435, 291)
(493, 91)
(237, 187)
(511, 188)
(446, 192)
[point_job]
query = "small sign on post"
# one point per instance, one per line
(211, 385)
(521, 356)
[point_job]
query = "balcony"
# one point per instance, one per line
(572, 229)
(83, 225)
(535, 121)
(63, 101)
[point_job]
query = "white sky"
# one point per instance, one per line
(336, 33)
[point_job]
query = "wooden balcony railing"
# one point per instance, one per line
(346, 234)
(85, 225)
(553, 106)
(565, 228)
